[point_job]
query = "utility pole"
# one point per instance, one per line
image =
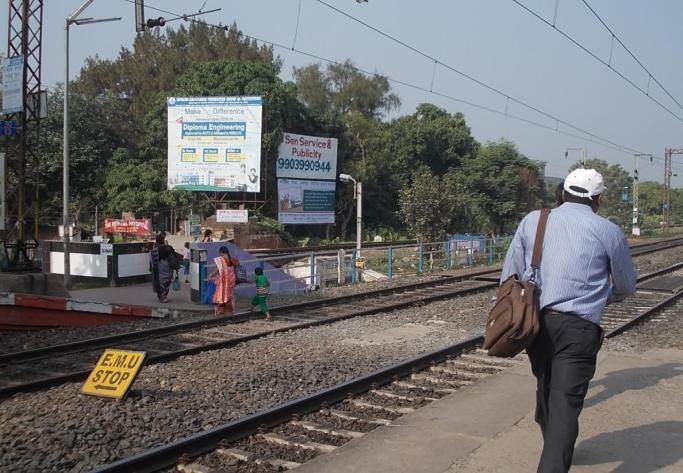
(666, 197)
(72, 19)
(636, 229)
(636, 178)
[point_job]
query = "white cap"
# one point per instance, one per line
(584, 183)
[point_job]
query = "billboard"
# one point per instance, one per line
(214, 143)
(305, 202)
(2, 191)
(232, 216)
(307, 157)
(138, 226)
(12, 84)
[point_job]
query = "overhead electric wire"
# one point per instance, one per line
(615, 36)
(589, 137)
(608, 64)
(508, 97)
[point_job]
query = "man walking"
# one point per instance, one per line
(581, 253)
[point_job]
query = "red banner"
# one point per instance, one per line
(138, 226)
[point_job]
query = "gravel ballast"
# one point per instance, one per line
(61, 430)
(664, 330)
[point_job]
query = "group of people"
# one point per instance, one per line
(165, 266)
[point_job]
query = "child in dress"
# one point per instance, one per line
(261, 298)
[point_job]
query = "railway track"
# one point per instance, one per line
(285, 436)
(53, 365)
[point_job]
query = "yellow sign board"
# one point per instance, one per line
(114, 373)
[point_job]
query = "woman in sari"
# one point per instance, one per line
(162, 272)
(225, 280)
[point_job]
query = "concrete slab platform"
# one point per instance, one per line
(633, 422)
(142, 294)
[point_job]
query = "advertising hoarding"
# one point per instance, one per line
(2, 191)
(214, 143)
(305, 202)
(307, 157)
(138, 227)
(232, 216)
(12, 81)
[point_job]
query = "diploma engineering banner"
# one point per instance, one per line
(214, 143)
(305, 202)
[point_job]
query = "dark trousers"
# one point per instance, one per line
(563, 360)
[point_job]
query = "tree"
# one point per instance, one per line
(159, 57)
(425, 206)
(504, 184)
(619, 184)
(430, 137)
(341, 89)
(98, 126)
(138, 180)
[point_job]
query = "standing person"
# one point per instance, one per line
(580, 252)
(207, 236)
(163, 264)
(225, 280)
(261, 298)
(186, 260)
(559, 194)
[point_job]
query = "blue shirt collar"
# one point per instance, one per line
(575, 206)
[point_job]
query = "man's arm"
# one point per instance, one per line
(515, 262)
(621, 268)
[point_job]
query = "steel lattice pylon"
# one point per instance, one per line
(24, 37)
(666, 197)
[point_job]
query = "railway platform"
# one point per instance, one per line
(142, 294)
(632, 422)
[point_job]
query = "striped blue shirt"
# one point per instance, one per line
(580, 252)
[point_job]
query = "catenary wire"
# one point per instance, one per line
(615, 36)
(608, 64)
(461, 73)
(589, 137)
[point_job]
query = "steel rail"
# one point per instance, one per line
(137, 335)
(203, 442)
(165, 357)
(645, 315)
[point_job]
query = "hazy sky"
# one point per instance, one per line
(492, 40)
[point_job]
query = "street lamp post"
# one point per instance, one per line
(70, 20)
(358, 195)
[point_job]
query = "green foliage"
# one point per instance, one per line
(158, 58)
(488, 194)
(341, 89)
(430, 137)
(427, 205)
(504, 185)
(424, 172)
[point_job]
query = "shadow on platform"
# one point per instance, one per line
(625, 448)
(632, 379)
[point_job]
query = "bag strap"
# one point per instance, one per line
(538, 242)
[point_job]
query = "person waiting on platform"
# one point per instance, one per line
(586, 264)
(262, 288)
(224, 278)
(186, 260)
(163, 264)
